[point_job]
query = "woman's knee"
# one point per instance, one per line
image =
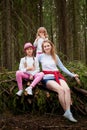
(61, 91)
(66, 89)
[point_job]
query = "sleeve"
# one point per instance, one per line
(21, 65)
(63, 68)
(37, 68)
(35, 43)
(39, 58)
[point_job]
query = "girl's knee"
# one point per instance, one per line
(42, 74)
(18, 73)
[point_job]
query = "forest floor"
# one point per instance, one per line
(43, 122)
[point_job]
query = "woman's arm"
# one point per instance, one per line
(64, 69)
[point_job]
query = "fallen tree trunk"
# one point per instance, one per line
(42, 101)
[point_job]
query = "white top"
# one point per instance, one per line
(48, 64)
(30, 61)
(38, 44)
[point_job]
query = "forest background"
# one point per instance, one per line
(65, 21)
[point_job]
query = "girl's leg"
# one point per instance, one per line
(19, 77)
(37, 79)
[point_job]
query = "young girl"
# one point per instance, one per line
(53, 79)
(40, 37)
(28, 69)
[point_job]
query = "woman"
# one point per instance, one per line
(53, 79)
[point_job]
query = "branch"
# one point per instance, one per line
(83, 91)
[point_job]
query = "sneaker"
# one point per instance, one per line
(29, 90)
(70, 117)
(19, 93)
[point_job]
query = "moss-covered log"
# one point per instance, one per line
(42, 101)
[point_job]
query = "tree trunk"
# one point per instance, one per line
(6, 35)
(85, 31)
(62, 21)
(76, 49)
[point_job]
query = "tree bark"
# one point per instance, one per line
(62, 21)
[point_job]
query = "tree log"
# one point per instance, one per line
(80, 90)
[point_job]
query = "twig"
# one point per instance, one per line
(5, 81)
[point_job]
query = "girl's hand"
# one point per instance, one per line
(30, 68)
(37, 38)
(31, 77)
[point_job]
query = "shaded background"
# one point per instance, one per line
(65, 21)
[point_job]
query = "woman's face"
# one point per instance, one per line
(29, 51)
(47, 48)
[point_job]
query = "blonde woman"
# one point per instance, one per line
(53, 79)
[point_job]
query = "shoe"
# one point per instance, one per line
(29, 90)
(19, 93)
(70, 117)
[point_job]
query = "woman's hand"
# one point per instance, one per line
(76, 75)
(77, 79)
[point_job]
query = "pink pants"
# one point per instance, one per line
(21, 75)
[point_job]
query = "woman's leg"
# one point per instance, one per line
(64, 97)
(19, 77)
(67, 97)
(54, 86)
(67, 94)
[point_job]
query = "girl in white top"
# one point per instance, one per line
(40, 37)
(53, 79)
(28, 69)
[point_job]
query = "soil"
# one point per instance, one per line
(40, 122)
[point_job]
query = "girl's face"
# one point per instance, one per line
(41, 33)
(29, 51)
(47, 48)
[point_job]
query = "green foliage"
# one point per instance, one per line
(42, 101)
(81, 70)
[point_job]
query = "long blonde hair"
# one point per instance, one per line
(53, 51)
(42, 29)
